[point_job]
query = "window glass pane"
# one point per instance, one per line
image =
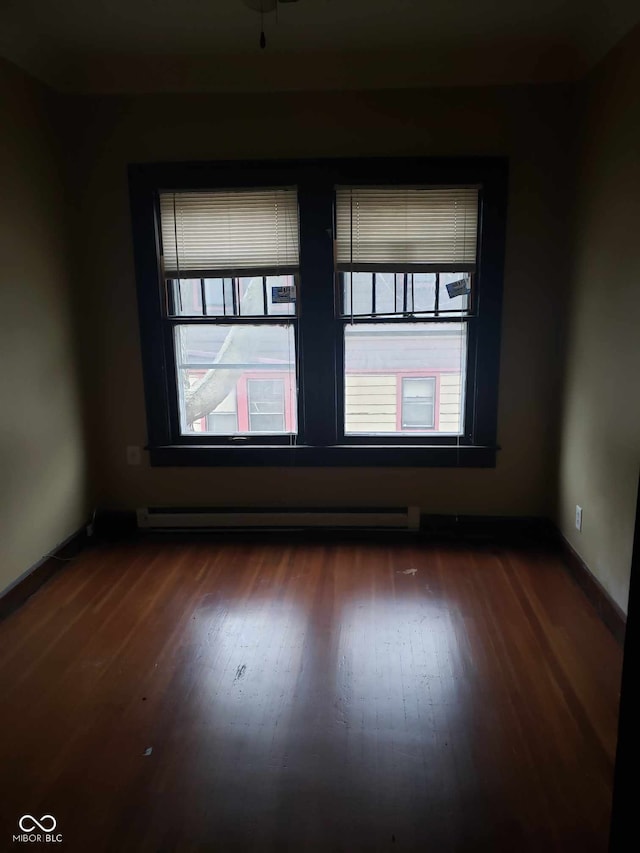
(283, 300)
(417, 415)
(397, 293)
(418, 389)
(266, 423)
(276, 292)
(217, 293)
(232, 297)
(420, 364)
(217, 365)
(222, 423)
(187, 297)
(251, 296)
(385, 293)
(266, 405)
(422, 292)
(457, 303)
(401, 295)
(360, 286)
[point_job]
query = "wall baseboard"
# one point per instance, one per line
(612, 615)
(30, 581)
(488, 528)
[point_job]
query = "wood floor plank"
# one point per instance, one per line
(309, 696)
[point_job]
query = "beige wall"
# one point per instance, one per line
(42, 496)
(600, 454)
(529, 124)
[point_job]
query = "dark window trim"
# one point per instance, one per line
(318, 415)
(339, 455)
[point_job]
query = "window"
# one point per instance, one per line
(406, 260)
(418, 403)
(222, 423)
(320, 312)
(229, 257)
(266, 405)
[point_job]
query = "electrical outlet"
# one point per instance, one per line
(134, 456)
(578, 517)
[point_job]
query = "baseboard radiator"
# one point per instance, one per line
(404, 518)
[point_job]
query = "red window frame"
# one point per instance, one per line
(242, 392)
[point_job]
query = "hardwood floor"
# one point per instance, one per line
(337, 696)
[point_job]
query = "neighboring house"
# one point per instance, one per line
(395, 382)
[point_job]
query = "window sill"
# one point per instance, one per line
(303, 456)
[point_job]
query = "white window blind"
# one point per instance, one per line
(231, 232)
(406, 228)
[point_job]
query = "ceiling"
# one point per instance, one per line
(213, 45)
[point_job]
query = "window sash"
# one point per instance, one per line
(235, 368)
(462, 365)
(405, 296)
(192, 298)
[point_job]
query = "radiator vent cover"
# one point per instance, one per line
(171, 519)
